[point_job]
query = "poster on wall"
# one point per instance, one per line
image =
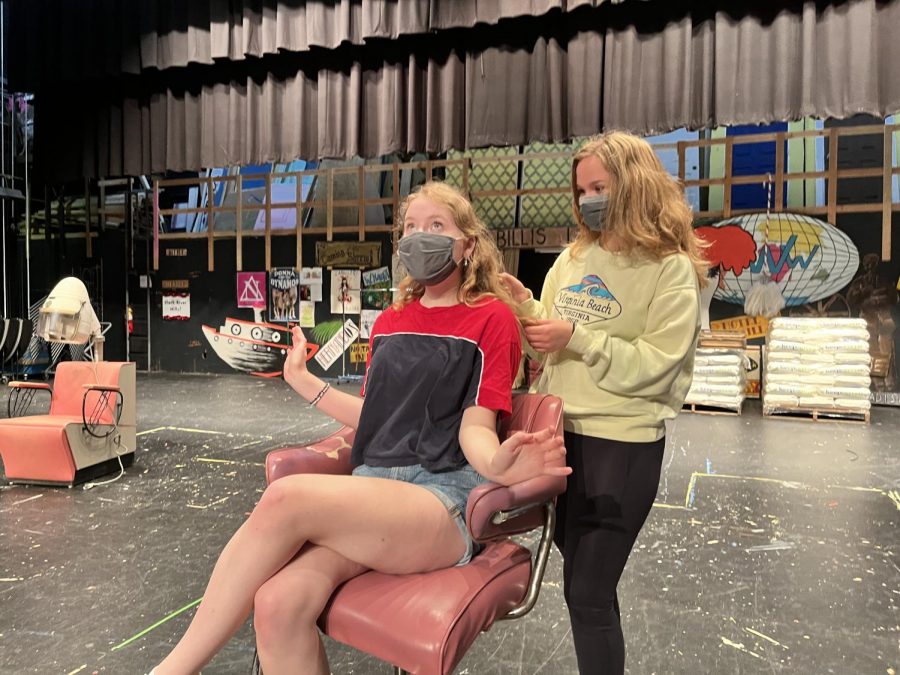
(367, 319)
(345, 292)
(311, 283)
(307, 314)
(251, 290)
(376, 293)
(310, 275)
(284, 294)
(341, 341)
(176, 306)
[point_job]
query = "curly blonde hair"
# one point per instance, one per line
(647, 214)
(481, 276)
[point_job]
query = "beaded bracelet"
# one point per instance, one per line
(319, 396)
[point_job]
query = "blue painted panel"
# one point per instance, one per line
(750, 159)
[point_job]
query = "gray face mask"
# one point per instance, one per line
(428, 257)
(593, 211)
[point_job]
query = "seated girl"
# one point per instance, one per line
(442, 363)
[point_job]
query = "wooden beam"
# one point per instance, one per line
(729, 157)
(361, 202)
(298, 221)
(268, 215)
(155, 224)
(465, 179)
(395, 212)
(239, 223)
(831, 202)
(329, 206)
(210, 226)
(779, 171)
(887, 196)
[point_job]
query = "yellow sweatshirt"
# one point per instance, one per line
(627, 367)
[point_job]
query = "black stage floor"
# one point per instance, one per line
(772, 549)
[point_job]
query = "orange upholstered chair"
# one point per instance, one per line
(90, 426)
(425, 623)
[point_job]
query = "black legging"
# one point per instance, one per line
(610, 492)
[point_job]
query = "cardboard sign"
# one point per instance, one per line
(341, 341)
(348, 253)
(359, 351)
(751, 326)
(534, 237)
(176, 306)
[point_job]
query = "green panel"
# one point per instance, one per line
(496, 212)
(547, 210)
(796, 163)
(717, 170)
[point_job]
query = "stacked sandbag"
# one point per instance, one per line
(719, 378)
(817, 364)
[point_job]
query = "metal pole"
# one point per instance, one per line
(27, 219)
(3, 143)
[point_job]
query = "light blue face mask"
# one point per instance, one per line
(593, 211)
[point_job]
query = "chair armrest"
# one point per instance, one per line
(101, 387)
(498, 510)
(331, 455)
(30, 385)
(21, 394)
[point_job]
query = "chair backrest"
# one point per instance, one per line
(69, 390)
(531, 412)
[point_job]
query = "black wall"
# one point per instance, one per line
(180, 346)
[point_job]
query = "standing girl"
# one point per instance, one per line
(616, 325)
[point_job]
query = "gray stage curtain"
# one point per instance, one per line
(84, 39)
(815, 59)
(561, 75)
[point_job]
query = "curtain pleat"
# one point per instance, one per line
(550, 78)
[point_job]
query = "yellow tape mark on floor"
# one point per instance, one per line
(739, 646)
(185, 429)
(200, 506)
(893, 495)
(213, 460)
(765, 637)
(151, 431)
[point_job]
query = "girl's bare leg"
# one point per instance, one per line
(381, 524)
(287, 606)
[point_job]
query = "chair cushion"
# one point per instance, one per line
(36, 448)
(424, 623)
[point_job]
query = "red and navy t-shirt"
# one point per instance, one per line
(426, 366)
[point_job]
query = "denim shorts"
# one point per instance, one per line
(451, 487)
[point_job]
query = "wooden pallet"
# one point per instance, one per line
(704, 409)
(818, 414)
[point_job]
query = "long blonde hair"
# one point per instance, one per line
(480, 278)
(647, 214)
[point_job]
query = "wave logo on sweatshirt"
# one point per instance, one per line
(587, 301)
